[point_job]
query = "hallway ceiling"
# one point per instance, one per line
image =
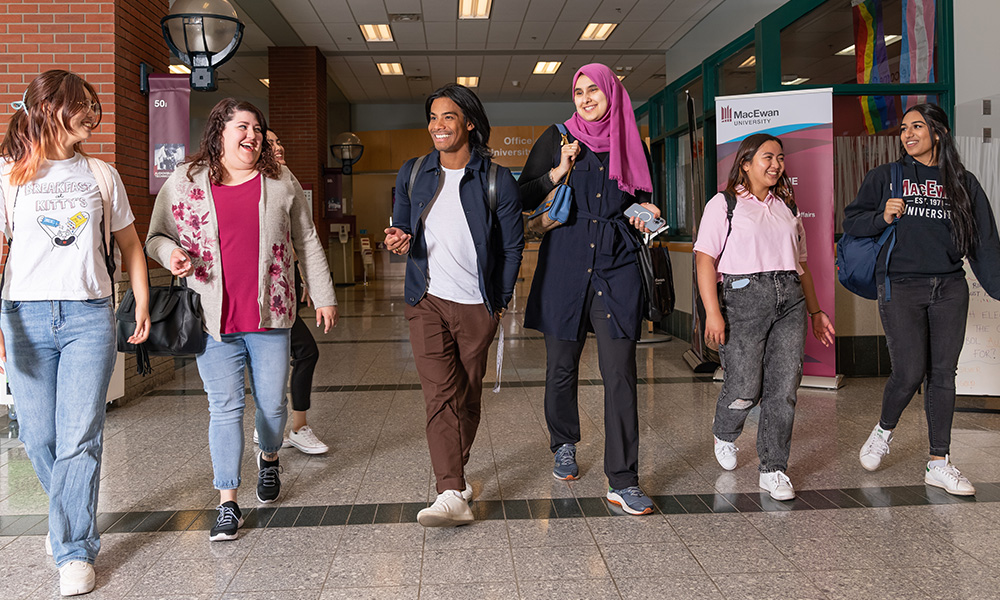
(437, 47)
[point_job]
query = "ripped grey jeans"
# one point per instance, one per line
(765, 317)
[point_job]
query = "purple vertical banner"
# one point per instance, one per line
(169, 126)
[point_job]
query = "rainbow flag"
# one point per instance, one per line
(872, 63)
(916, 63)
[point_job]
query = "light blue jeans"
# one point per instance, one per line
(223, 366)
(60, 354)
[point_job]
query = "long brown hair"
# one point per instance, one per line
(747, 150)
(51, 101)
(210, 152)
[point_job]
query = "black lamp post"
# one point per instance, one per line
(203, 34)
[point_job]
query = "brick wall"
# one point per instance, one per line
(297, 112)
(103, 41)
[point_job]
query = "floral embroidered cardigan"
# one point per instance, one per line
(184, 217)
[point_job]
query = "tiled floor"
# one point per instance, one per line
(345, 523)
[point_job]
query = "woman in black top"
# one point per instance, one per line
(941, 215)
(587, 278)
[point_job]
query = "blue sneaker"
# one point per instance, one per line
(631, 499)
(566, 463)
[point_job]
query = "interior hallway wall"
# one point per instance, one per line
(977, 72)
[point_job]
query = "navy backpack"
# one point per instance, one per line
(856, 256)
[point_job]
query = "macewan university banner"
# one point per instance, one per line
(169, 126)
(803, 120)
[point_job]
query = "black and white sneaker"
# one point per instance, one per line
(268, 483)
(230, 519)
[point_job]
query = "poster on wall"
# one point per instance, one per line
(803, 121)
(979, 363)
(169, 125)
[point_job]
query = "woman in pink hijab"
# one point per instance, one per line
(587, 279)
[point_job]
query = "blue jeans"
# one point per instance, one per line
(765, 341)
(60, 355)
(223, 367)
(924, 326)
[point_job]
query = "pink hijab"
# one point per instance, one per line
(615, 132)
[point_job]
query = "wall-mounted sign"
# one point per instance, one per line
(169, 126)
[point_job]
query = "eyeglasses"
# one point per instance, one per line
(90, 105)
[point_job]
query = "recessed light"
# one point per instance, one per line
(597, 32)
(620, 77)
(390, 68)
(468, 81)
(750, 62)
(889, 40)
(547, 68)
(793, 80)
(179, 69)
(377, 33)
(266, 82)
(474, 9)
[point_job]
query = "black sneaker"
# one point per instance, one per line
(268, 484)
(230, 519)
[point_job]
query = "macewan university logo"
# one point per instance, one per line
(752, 117)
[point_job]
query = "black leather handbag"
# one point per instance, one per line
(176, 324)
(657, 282)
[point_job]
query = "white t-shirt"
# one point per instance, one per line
(57, 252)
(452, 271)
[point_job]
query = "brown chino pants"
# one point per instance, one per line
(450, 343)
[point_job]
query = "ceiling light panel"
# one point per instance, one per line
(597, 32)
(180, 69)
(468, 81)
(266, 82)
(474, 9)
(390, 68)
(889, 40)
(547, 68)
(377, 33)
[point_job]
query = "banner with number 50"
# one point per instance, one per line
(169, 126)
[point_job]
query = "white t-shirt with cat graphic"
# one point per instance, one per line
(57, 250)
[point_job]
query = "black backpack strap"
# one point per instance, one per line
(491, 187)
(730, 207)
(413, 172)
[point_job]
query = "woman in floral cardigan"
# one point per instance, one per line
(230, 217)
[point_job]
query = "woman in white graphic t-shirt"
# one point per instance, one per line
(57, 319)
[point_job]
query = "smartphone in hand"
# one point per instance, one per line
(646, 216)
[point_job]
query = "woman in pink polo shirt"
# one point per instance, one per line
(756, 298)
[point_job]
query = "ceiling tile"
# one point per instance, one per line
(614, 11)
(511, 10)
(332, 11)
(368, 11)
(472, 34)
(297, 11)
(313, 34)
(503, 35)
(543, 10)
(440, 36)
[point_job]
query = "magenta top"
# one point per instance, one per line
(766, 235)
(236, 208)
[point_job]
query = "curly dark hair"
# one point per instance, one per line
(209, 154)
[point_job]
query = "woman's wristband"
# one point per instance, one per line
(813, 314)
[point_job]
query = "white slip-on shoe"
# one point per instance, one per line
(306, 441)
(450, 509)
(725, 453)
(876, 446)
(949, 478)
(778, 485)
(76, 577)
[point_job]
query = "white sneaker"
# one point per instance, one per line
(306, 441)
(450, 509)
(76, 577)
(778, 485)
(725, 453)
(467, 492)
(285, 443)
(876, 446)
(48, 544)
(949, 478)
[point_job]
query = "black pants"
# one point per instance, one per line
(616, 359)
(305, 355)
(924, 326)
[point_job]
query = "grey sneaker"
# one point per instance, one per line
(631, 499)
(566, 468)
